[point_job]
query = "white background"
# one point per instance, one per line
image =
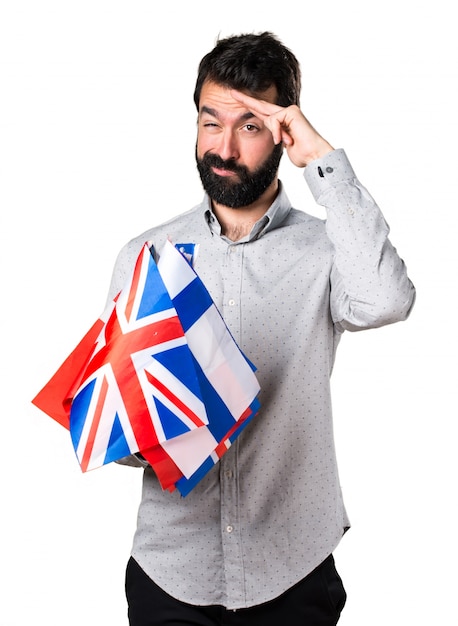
(97, 131)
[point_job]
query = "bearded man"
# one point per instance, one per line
(253, 542)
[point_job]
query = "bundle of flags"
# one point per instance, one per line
(159, 374)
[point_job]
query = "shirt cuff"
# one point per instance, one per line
(323, 174)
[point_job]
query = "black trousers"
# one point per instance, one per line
(317, 600)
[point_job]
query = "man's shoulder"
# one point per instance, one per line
(299, 230)
(297, 217)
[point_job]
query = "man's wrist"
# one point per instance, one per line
(321, 151)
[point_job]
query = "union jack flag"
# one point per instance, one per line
(159, 374)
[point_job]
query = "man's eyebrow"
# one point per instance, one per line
(214, 113)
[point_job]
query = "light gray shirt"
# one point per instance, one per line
(271, 510)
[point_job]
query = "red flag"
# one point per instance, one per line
(55, 397)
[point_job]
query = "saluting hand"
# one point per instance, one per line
(288, 125)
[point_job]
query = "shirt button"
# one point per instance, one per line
(229, 528)
(228, 473)
(231, 302)
(351, 211)
(329, 170)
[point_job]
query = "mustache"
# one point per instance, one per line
(214, 160)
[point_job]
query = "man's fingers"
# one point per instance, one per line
(287, 125)
(273, 115)
(274, 126)
(279, 132)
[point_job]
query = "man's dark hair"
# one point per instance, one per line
(253, 63)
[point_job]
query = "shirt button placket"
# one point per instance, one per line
(232, 281)
(230, 522)
(230, 532)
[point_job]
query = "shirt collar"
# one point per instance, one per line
(272, 218)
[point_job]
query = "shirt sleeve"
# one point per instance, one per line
(369, 282)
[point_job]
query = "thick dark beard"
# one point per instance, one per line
(249, 187)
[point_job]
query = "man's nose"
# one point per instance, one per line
(228, 147)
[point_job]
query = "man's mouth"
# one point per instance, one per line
(223, 172)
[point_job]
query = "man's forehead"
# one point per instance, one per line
(215, 97)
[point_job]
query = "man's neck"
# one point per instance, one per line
(237, 223)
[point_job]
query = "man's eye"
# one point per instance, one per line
(251, 128)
